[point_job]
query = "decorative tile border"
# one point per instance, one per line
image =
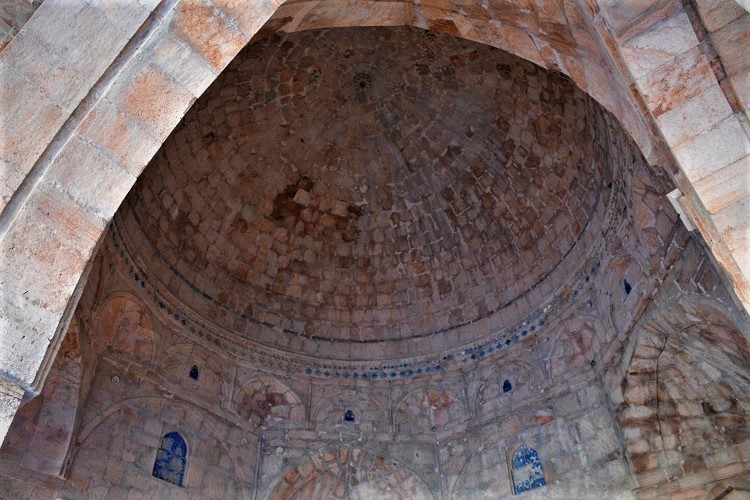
(485, 349)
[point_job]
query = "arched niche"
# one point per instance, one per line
(350, 472)
(177, 366)
(686, 392)
(266, 401)
(126, 437)
(126, 326)
(428, 410)
(580, 341)
(148, 94)
(492, 399)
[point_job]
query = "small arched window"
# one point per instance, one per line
(171, 459)
(527, 470)
(194, 372)
(507, 386)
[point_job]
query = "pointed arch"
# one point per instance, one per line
(176, 365)
(684, 371)
(351, 472)
(528, 472)
(171, 459)
(267, 401)
(126, 325)
(525, 380)
(428, 409)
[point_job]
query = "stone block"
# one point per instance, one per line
(695, 115)
(29, 119)
(725, 186)
(181, 62)
(90, 177)
(741, 85)
(210, 35)
(54, 232)
(154, 99)
(628, 16)
(733, 222)
(83, 40)
(714, 148)
(123, 139)
(249, 17)
(10, 399)
(716, 14)
(53, 79)
(659, 45)
(681, 79)
(10, 178)
(126, 16)
(731, 43)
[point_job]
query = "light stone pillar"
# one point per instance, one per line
(10, 400)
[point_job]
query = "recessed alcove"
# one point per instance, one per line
(449, 203)
(390, 262)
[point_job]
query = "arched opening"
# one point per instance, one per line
(350, 473)
(148, 88)
(171, 459)
(528, 473)
(686, 391)
(360, 219)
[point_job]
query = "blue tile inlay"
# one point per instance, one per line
(527, 470)
(171, 459)
(533, 324)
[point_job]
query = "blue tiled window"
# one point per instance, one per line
(527, 470)
(171, 459)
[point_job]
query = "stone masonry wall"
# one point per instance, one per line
(253, 428)
(633, 381)
(13, 15)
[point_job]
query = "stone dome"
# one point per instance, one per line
(374, 186)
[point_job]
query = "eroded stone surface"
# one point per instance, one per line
(383, 197)
(634, 379)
